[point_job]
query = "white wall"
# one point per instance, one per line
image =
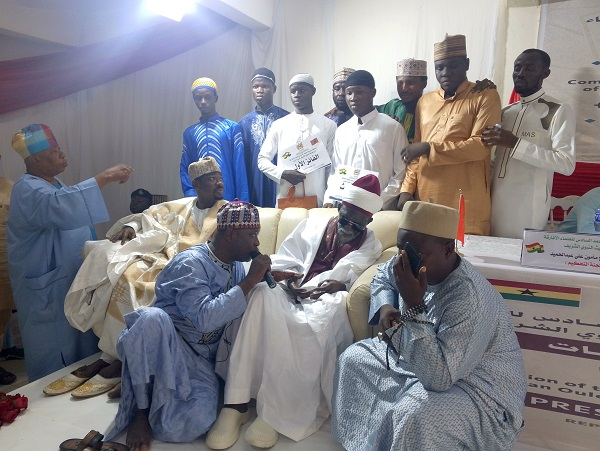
(139, 119)
(523, 28)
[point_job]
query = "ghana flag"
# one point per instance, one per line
(534, 292)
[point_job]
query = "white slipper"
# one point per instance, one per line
(261, 434)
(95, 386)
(226, 429)
(64, 384)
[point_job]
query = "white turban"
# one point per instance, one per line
(363, 195)
(303, 78)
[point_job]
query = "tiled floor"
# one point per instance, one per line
(17, 367)
(58, 418)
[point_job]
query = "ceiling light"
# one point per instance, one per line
(173, 9)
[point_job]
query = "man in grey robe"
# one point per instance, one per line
(447, 371)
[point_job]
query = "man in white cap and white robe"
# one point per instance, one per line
(289, 132)
(448, 371)
(285, 352)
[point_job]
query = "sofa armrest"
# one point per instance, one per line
(359, 299)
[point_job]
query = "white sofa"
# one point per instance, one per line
(277, 224)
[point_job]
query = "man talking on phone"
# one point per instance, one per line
(447, 371)
(290, 336)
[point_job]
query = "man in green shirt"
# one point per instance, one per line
(411, 79)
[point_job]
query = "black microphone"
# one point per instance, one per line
(268, 276)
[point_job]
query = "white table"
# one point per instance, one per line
(560, 339)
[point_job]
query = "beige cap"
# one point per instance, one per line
(411, 68)
(430, 219)
(450, 47)
(342, 75)
(203, 166)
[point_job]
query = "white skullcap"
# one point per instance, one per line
(303, 78)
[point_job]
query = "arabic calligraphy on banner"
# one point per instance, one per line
(306, 157)
(564, 251)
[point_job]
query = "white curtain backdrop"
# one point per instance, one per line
(570, 33)
(321, 37)
(139, 119)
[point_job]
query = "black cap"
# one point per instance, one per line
(264, 73)
(360, 78)
(140, 192)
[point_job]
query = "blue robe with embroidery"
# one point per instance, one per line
(221, 139)
(169, 350)
(255, 125)
(46, 230)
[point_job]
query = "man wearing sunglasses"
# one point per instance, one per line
(285, 351)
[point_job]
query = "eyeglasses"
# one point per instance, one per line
(355, 226)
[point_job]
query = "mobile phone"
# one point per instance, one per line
(414, 258)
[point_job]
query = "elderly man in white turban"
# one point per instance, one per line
(285, 351)
(448, 373)
(288, 133)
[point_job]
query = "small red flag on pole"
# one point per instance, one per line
(514, 97)
(460, 233)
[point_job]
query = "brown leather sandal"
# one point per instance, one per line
(92, 441)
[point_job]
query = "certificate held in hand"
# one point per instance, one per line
(306, 156)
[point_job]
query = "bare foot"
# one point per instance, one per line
(139, 435)
(90, 370)
(112, 370)
(115, 392)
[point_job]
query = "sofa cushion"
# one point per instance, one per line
(269, 223)
(290, 218)
(359, 299)
(385, 226)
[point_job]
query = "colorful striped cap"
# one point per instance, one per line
(204, 82)
(34, 138)
(238, 215)
(450, 47)
(342, 75)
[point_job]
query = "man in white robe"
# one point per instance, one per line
(290, 336)
(290, 131)
(370, 140)
(118, 274)
(537, 138)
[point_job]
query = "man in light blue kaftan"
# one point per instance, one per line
(448, 374)
(48, 224)
(169, 351)
(255, 126)
(217, 137)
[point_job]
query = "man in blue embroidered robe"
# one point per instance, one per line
(255, 126)
(48, 224)
(448, 373)
(217, 137)
(169, 386)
